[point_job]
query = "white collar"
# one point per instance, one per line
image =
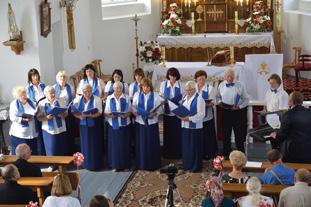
(168, 85)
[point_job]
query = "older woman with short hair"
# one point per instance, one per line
(61, 193)
(192, 129)
(254, 199)
(238, 161)
(118, 112)
(90, 127)
(54, 129)
(23, 129)
(147, 129)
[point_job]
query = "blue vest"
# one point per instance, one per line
(193, 110)
(68, 89)
(124, 108)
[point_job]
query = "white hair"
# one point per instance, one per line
(59, 74)
(17, 91)
(253, 186)
(190, 85)
(86, 86)
(229, 71)
(48, 89)
(118, 84)
(21, 150)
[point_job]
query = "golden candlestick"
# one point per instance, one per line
(195, 3)
(205, 18)
(269, 4)
(236, 19)
(163, 61)
(164, 5)
(232, 61)
(199, 10)
(278, 15)
(192, 23)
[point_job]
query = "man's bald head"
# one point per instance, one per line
(303, 175)
(10, 172)
(23, 151)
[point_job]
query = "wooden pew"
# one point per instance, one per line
(37, 184)
(13, 205)
(60, 161)
(295, 166)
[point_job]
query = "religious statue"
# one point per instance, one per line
(13, 30)
(69, 5)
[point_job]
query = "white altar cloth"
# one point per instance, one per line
(213, 40)
(188, 69)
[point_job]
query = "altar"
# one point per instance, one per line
(202, 47)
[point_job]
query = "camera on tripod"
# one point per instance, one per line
(171, 169)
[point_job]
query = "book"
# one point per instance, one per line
(178, 110)
(157, 107)
(253, 164)
(56, 111)
(90, 111)
(26, 116)
(273, 120)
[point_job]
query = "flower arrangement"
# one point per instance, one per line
(32, 204)
(78, 159)
(150, 52)
(259, 21)
(172, 22)
(218, 165)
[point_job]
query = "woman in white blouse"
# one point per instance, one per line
(53, 125)
(192, 129)
(23, 128)
(118, 112)
(90, 127)
(117, 75)
(134, 87)
(61, 193)
(89, 77)
(208, 93)
(144, 108)
(64, 93)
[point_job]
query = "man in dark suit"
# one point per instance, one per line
(10, 191)
(26, 169)
(295, 132)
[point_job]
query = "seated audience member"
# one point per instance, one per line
(215, 194)
(60, 194)
(101, 201)
(279, 174)
(26, 169)
(10, 191)
(254, 199)
(298, 195)
(238, 161)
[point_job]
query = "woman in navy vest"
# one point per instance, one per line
(208, 93)
(89, 77)
(171, 90)
(147, 129)
(117, 75)
(118, 113)
(90, 127)
(64, 93)
(54, 129)
(192, 129)
(35, 94)
(23, 129)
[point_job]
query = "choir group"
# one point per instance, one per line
(131, 115)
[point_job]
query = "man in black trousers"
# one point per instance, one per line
(295, 132)
(233, 99)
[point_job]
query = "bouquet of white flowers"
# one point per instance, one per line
(172, 23)
(150, 52)
(259, 21)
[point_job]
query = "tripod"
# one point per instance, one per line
(169, 201)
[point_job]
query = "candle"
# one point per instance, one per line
(269, 4)
(192, 22)
(231, 54)
(164, 4)
(195, 2)
(185, 3)
(236, 19)
(189, 3)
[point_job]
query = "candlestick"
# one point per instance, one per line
(236, 19)
(192, 23)
(269, 4)
(205, 18)
(164, 5)
(195, 2)
(185, 3)
(189, 4)
(231, 55)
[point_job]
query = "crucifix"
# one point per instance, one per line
(214, 13)
(136, 19)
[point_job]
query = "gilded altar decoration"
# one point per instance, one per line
(13, 30)
(215, 13)
(172, 22)
(259, 21)
(263, 70)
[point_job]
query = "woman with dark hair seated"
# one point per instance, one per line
(89, 77)
(215, 194)
(171, 90)
(101, 201)
(117, 75)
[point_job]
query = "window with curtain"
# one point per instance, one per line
(117, 1)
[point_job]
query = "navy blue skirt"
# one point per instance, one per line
(192, 149)
(40, 142)
(210, 148)
(171, 137)
(92, 146)
(119, 144)
(32, 143)
(148, 156)
(55, 144)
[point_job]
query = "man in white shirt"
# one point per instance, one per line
(298, 195)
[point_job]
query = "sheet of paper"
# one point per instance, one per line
(253, 164)
(273, 120)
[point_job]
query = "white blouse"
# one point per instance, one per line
(100, 85)
(63, 96)
(211, 95)
(118, 107)
(17, 129)
(172, 90)
(45, 125)
(131, 89)
(199, 116)
(97, 103)
(157, 102)
(276, 101)
(37, 90)
(62, 201)
(108, 85)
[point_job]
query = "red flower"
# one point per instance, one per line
(174, 9)
(269, 23)
(161, 24)
(261, 12)
(174, 23)
(257, 16)
(255, 22)
(164, 16)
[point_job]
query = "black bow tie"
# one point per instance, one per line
(229, 84)
(274, 90)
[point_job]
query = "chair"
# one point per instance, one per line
(304, 64)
